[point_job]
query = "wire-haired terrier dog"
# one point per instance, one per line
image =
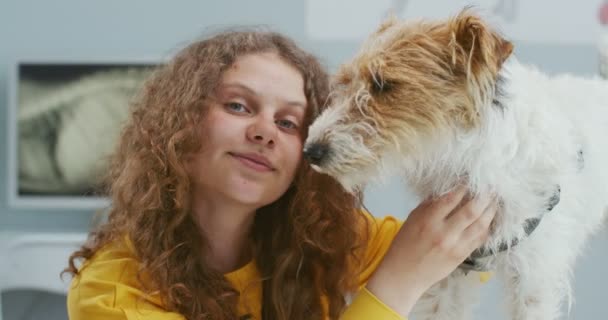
(442, 102)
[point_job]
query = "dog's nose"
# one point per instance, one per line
(315, 152)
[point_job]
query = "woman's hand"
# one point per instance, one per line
(436, 237)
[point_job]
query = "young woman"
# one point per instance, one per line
(216, 216)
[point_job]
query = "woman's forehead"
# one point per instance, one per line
(265, 73)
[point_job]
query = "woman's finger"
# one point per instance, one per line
(478, 231)
(470, 212)
(443, 206)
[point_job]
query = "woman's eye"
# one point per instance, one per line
(236, 107)
(286, 124)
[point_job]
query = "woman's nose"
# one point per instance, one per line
(262, 130)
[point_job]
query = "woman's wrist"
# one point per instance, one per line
(398, 294)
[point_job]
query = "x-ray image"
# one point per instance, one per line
(68, 120)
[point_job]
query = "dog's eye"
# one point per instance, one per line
(381, 86)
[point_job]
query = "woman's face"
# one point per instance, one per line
(252, 133)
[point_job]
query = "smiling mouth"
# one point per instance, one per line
(252, 163)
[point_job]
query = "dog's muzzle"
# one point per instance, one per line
(316, 152)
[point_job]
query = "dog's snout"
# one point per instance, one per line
(315, 152)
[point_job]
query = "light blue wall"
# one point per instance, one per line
(130, 29)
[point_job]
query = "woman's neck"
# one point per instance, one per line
(226, 228)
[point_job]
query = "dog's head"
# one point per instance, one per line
(411, 84)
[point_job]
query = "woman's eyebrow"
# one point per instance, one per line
(239, 86)
(295, 103)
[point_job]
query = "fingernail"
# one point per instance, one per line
(454, 191)
(483, 200)
(459, 189)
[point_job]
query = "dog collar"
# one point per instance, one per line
(472, 264)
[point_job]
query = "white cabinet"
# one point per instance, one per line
(31, 260)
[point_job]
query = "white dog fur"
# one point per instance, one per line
(534, 133)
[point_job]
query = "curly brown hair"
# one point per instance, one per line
(306, 242)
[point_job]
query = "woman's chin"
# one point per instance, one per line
(254, 195)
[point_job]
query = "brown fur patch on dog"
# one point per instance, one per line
(412, 78)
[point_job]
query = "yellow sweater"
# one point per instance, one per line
(107, 288)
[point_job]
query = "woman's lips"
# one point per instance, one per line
(253, 161)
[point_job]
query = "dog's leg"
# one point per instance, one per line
(450, 299)
(533, 297)
(537, 279)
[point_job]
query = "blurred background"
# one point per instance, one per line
(38, 230)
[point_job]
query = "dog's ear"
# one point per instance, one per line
(479, 43)
(388, 22)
